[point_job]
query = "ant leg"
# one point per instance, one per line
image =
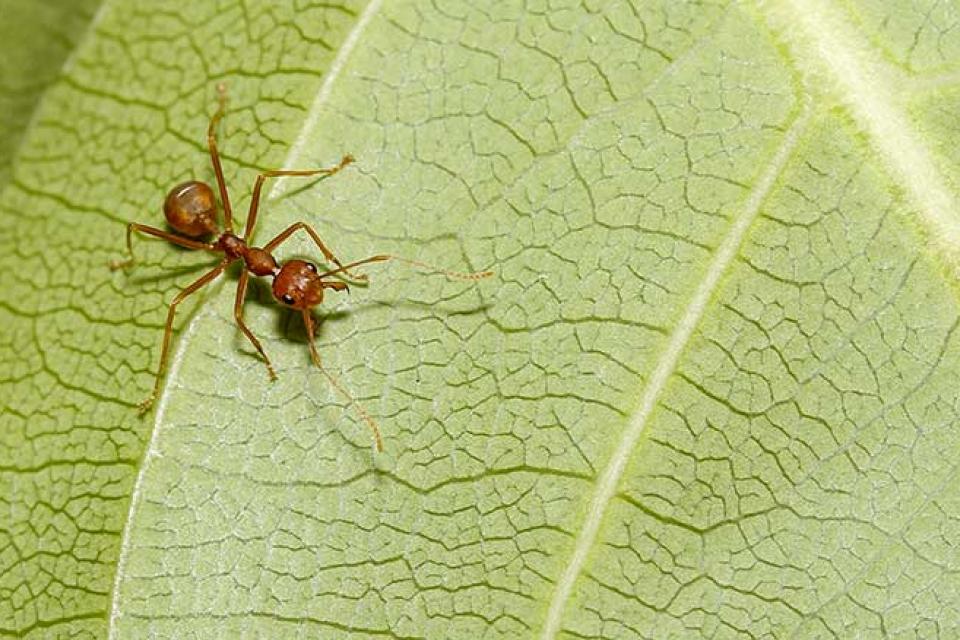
(308, 321)
(168, 329)
(215, 156)
(238, 314)
(157, 233)
(258, 185)
(286, 233)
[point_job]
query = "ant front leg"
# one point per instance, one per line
(238, 315)
(156, 233)
(286, 233)
(258, 186)
(204, 280)
(308, 323)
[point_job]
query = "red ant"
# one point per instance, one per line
(191, 210)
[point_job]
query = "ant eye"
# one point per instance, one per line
(287, 299)
(312, 267)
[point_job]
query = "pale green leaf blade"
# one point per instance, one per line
(35, 40)
(708, 393)
(79, 342)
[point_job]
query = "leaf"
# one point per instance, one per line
(35, 38)
(709, 392)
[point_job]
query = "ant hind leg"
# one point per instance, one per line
(156, 233)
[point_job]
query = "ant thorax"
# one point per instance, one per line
(232, 246)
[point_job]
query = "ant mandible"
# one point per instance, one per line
(191, 210)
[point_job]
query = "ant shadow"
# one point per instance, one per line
(174, 272)
(289, 324)
(301, 187)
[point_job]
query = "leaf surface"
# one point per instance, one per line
(35, 40)
(710, 390)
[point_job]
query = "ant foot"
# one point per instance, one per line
(273, 374)
(144, 406)
(344, 161)
(120, 264)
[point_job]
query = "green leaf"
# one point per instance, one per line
(710, 390)
(35, 39)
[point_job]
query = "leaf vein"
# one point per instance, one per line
(606, 487)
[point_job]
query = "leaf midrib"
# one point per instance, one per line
(825, 41)
(609, 480)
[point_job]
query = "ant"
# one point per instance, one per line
(191, 210)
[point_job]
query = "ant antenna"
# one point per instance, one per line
(456, 275)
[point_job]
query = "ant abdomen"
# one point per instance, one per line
(191, 209)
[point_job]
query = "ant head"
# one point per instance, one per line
(191, 209)
(297, 285)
